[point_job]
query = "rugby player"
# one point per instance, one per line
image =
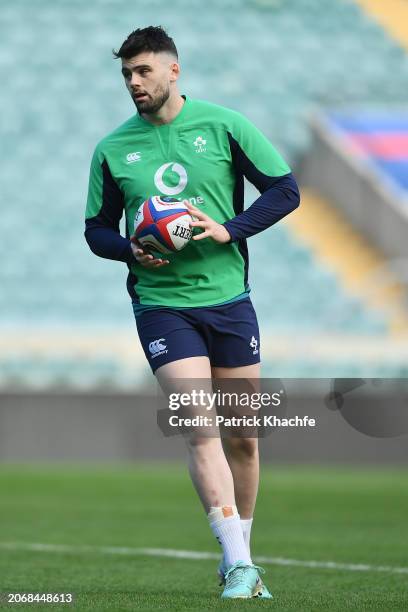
(193, 312)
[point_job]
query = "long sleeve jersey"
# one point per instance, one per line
(202, 155)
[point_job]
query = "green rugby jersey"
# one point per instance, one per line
(202, 155)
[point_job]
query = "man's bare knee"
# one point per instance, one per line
(199, 443)
(241, 447)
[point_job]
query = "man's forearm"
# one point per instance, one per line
(274, 204)
(106, 242)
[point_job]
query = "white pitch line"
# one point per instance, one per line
(193, 555)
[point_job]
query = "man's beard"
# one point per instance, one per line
(153, 105)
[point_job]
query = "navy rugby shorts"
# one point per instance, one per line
(227, 334)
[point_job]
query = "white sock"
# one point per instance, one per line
(226, 526)
(246, 525)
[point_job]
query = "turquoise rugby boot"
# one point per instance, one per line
(262, 590)
(241, 581)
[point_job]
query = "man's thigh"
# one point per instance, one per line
(189, 368)
(251, 372)
(191, 378)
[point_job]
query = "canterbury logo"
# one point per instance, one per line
(156, 346)
(168, 189)
(131, 158)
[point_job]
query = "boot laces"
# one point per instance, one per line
(236, 573)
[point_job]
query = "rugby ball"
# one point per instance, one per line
(163, 224)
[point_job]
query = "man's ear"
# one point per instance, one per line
(174, 71)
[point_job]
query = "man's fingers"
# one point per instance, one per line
(189, 204)
(198, 223)
(157, 263)
(196, 212)
(145, 258)
(202, 235)
(152, 262)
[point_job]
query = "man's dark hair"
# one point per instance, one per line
(152, 38)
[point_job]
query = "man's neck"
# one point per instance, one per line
(168, 111)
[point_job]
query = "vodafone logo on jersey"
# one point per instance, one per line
(171, 189)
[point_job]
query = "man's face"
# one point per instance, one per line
(148, 77)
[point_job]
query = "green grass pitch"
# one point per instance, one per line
(346, 515)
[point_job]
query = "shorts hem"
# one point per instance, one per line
(154, 367)
(234, 365)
